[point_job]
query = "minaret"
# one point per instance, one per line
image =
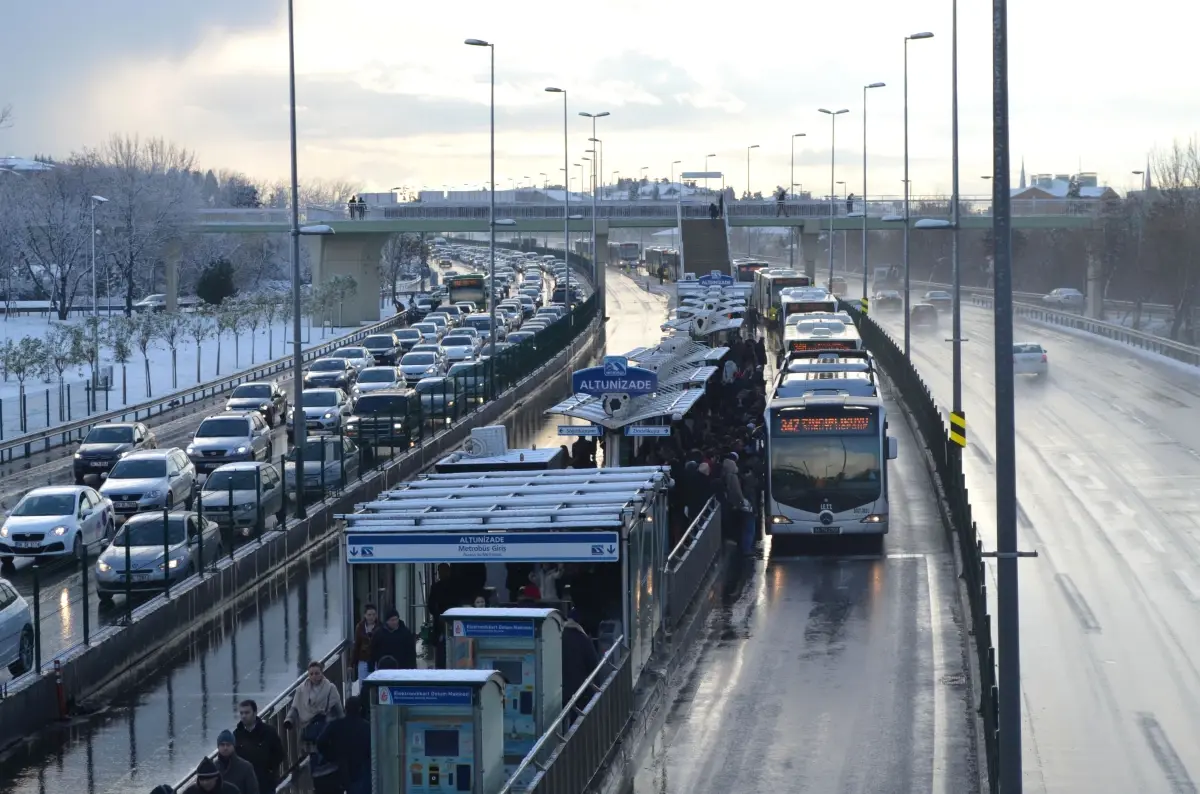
(1022, 173)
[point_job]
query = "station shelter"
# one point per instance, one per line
(608, 529)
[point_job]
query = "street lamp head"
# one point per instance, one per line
(676, 162)
(99, 199)
(477, 43)
(799, 135)
(505, 222)
(924, 35)
(594, 115)
(875, 85)
(552, 90)
(317, 230)
(752, 146)
(711, 155)
(839, 112)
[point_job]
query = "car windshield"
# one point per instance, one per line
(46, 504)
(235, 480)
(468, 368)
(417, 359)
(109, 435)
(409, 333)
(223, 428)
(452, 341)
(1023, 348)
(350, 352)
(381, 375)
(378, 342)
(257, 390)
(318, 399)
(138, 469)
(382, 404)
(314, 449)
(327, 365)
(149, 532)
(480, 323)
(520, 336)
(426, 327)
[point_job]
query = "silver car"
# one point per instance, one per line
(148, 553)
(323, 410)
(439, 398)
(154, 479)
(460, 347)
(16, 630)
(329, 463)
(228, 438)
(415, 366)
(238, 495)
(378, 378)
(358, 357)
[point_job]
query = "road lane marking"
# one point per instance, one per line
(1152, 541)
(941, 717)
(1078, 603)
(1169, 762)
(1189, 583)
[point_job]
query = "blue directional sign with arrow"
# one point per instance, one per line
(371, 547)
(615, 376)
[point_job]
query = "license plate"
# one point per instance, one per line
(27, 544)
(98, 464)
(827, 530)
(140, 577)
(125, 505)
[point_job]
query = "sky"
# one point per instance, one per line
(388, 95)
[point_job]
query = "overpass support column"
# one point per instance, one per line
(171, 257)
(600, 265)
(1095, 288)
(357, 256)
(810, 243)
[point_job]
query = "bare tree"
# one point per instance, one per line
(145, 331)
(64, 345)
(227, 320)
(25, 360)
(257, 259)
(118, 333)
(269, 306)
(200, 326)
(252, 319)
(6, 117)
(172, 327)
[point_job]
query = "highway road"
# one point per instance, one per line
(1108, 470)
(159, 733)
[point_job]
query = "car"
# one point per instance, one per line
(330, 373)
(322, 409)
(466, 307)
(536, 326)
(483, 324)
(378, 378)
(238, 496)
(151, 303)
(16, 631)
(460, 347)
(407, 338)
(104, 445)
(329, 463)
(471, 380)
(439, 398)
(940, 299)
(888, 300)
(923, 318)
(1029, 358)
(151, 551)
(57, 521)
(358, 357)
(518, 337)
(267, 397)
(837, 286)
(454, 313)
(385, 348)
(385, 418)
(430, 332)
(230, 438)
(430, 347)
(1066, 297)
(440, 320)
(528, 306)
(155, 479)
(417, 365)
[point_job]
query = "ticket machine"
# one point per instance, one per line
(436, 731)
(525, 646)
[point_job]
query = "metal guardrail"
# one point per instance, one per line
(274, 714)
(70, 432)
(575, 746)
(689, 562)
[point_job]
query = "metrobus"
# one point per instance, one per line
(469, 287)
(827, 460)
(744, 269)
(820, 334)
(659, 256)
(805, 300)
(770, 282)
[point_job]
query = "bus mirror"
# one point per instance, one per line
(893, 448)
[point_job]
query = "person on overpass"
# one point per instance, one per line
(850, 204)
(395, 640)
(258, 743)
(713, 212)
(208, 780)
(721, 205)
(780, 203)
(234, 770)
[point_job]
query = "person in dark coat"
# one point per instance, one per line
(259, 744)
(234, 770)
(208, 781)
(579, 658)
(347, 743)
(443, 595)
(163, 789)
(395, 640)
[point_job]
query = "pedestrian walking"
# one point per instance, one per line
(316, 697)
(259, 744)
(364, 632)
(395, 640)
(234, 770)
(208, 780)
(346, 744)
(781, 203)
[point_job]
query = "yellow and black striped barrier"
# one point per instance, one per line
(958, 428)
(865, 304)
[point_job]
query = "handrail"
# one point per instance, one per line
(531, 758)
(709, 508)
(64, 432)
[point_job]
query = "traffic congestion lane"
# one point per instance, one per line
(635, 314)
(830, 670)
(1107, 494)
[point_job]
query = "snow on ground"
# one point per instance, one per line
(44, 408)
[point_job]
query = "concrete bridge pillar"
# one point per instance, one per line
(354, 255)
(810, 245)
(1095, 288)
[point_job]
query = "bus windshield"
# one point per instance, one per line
(825, 460)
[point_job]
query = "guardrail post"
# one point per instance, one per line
(37, 619)
(87, 618)
(324, 491)
(283, 508)
(232, 521)
(200, 525)
(128, 581)
(259, 519)
(166, 563)
(23, 406)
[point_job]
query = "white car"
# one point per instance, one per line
(358, 357)
(322, 409)
(460, 347)
(377, 379)
(56, 521)
(16, 630)
(415, 366)
(1064, 296)
(1029, 358)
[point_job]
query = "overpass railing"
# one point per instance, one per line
(947, 463)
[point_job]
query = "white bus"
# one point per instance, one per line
(827, 465)
(820, 334)
(806, 300)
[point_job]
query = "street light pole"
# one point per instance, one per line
(298, 425)
(864, 193)
(748, 194)
(705, 171)
(833, 114)
(566, 204)
(679, 196)
(907, 280)
(954, 215)
(95, 308)
(792, 192)
(491, 218)
(595, 191)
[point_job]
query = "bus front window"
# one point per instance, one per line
(826, 472)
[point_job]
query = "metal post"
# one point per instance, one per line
(1006, 481)
(95, 311)
(832, 189)
(954, 213)
(907, 330)
(232, 522)
(37, 618)
(166, 550)
(864, 193)
(87, 601)
(566, 215)
(128, 580)
(492, 228)
(299, 427)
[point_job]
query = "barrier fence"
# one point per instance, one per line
(948, 467)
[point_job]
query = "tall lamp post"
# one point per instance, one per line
(748, 148)
(96, 200)
(833, 114)
(679, 195)
(595, 190)
(864, 193)
(599, 175)
(705, 171)
(566, 203)
(907, 280)
(491, 218)
(792, 191)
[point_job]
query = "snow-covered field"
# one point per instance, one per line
(144, 377)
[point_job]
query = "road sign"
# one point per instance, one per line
(580, 430)
(716, 279)
(368, 548)
(641, 431)
(615, 366)
(614, 377)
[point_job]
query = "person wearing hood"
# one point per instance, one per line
(579, 657)
(234, 770)
(346, 743)
(208, 781)
(259, 744)
(395, 640)
(316, 697)
(163, 789)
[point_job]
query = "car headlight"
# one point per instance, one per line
(3, 532)
(241, 450)
(189, 450)
(102, 566)
(78, 456)
(60, 531)
(397, 425)
(246, 506)
(329, 414)
(172, 564)
(152, 495)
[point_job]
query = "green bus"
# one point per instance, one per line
(469, 287)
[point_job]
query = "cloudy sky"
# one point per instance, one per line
(390, 96)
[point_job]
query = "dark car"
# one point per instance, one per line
(888, 300)
(408, 338)
(104, 445)
(330, 373)
(923, 317)
(385, 347)
(389, 418)
(267, 397)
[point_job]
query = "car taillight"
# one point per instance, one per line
(1043, 358)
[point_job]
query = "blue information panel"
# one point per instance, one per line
(641, 431)
(615, 376)
(369, 548)
(424, 696)
(580, 430)
(716, 279)
(493, 628)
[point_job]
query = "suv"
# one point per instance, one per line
(229, 438)
(231, 499)
(384, 347)
(155, 479)
(267, 397)
(385, 418)
(104, 445)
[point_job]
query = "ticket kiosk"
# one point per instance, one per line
(525, 646)
(436, 731)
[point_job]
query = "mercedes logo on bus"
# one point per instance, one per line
(826, 517)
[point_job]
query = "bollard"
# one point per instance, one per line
(166, 563)
(60, 690)
(87, 618)
(37, 619)
(232, 523)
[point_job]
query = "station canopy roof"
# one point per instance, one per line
(513, 500)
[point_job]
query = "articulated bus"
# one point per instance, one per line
(469, 287)
(827, 460)
(770, 282)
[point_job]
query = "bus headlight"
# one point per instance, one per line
(875, 518)
(780, 520)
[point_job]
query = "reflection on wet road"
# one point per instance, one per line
(830, 669)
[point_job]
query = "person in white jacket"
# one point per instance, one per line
(547, 580)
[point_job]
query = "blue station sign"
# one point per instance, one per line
(716, 279)
(615, 376)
